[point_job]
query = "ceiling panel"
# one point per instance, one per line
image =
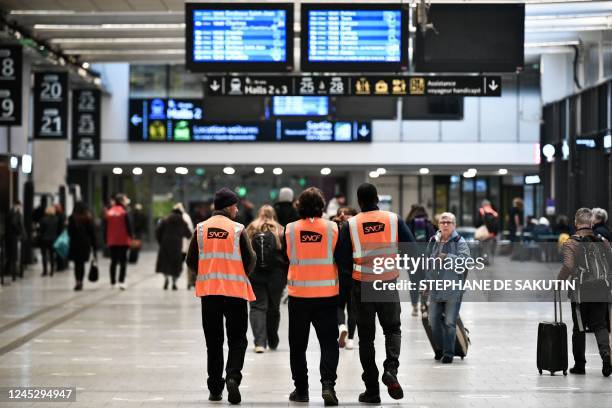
(112, 5)
(78, 5)
(147, 5)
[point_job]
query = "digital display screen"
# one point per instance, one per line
(162, 120)
(244, 36)
(357, 37)
(300, 106)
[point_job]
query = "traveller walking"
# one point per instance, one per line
(118, 233)
(587, 260)
(221, 256)
(284, 208)
(169, 234)
(600, 218)
(268, 278)
(48, 233)
(346, 322)
(312, 285)
(422, 229)
(444, 305)
(82, 235)
(15, 233)
(379, 230)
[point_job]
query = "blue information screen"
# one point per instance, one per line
(354, 35)
(300, 106)
(239, 35)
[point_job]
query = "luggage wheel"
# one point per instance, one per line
(564, 372)
(540, 372)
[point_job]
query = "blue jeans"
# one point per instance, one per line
(443, 320)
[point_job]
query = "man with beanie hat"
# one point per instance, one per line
(220, 254)
(370, 234)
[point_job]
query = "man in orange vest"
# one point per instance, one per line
(312, 285)
(374, 233)
(221, 255)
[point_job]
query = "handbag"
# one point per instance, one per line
(93, 271)
(62, 244)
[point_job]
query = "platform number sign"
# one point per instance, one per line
(86, 124)
(10, 85)
(50, 105)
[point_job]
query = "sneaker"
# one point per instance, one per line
(272, 345)
(370, 396)
(343, 334)
(233, 394)
(393, 386)
(259, 349)
(122, 286)
(577, 370)
(606, 370)
(447, 360)
(298, 396)
(350, 344)
(415, 311)
(329, 396)
(215, 397)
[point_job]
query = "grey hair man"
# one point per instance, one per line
(582, 254)
(600, 218)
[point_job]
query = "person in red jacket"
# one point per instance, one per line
(118, 233)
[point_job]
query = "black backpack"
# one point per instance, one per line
(264, 246)
(593, 268)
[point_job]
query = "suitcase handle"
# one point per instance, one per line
(555, 292)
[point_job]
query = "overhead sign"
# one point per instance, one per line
(86, 124)
(10, 85)
(272, 131)
(364, 85)
(50, 105)
(161, 119)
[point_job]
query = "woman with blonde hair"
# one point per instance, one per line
(268, 278)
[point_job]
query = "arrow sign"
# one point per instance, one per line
(493, 85)
(364, 131)
(215, 85)
(136, 120)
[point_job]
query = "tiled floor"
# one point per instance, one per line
(145, 348)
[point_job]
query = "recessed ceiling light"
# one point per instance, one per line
(325, 171)
(277, 171)
(229, 170)
(160, 170)
(117, 170)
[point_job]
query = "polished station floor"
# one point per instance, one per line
(145, 348)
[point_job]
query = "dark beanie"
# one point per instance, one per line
(224, 198)
(367, 194)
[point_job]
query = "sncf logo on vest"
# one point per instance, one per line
(373, 227)
(310, 236)
(217, 233)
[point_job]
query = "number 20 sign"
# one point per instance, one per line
(10, 85)
(50, 105)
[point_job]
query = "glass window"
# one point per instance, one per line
(467, 218)
(148, 81)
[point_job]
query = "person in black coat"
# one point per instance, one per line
(82, 233)
(48, 231)
(284, 209)
(169, 234)
(15, 232)
(600, 217)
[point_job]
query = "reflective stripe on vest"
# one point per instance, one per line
(220, 268)
(316, 276)
(385, 249)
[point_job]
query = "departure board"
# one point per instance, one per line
(244, 36)
(354, 36)
(300, 105)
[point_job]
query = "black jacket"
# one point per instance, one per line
(603, 230)
(286, 213)
(248, 258)
(169, 234)
(82, 239)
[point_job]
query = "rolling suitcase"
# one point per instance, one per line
(552, 343)
(462, 338)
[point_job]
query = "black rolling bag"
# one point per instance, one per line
(552, 343)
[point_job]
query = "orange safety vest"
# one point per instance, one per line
(373, 235)
(220, 268)
(310, 248)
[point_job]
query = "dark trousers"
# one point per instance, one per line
(235, 311)
(321, 312)
(594, 317)
(265, 310)
(79, 271)
(345, 302)
(118, 256)
(48, 254)
(389, 318)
